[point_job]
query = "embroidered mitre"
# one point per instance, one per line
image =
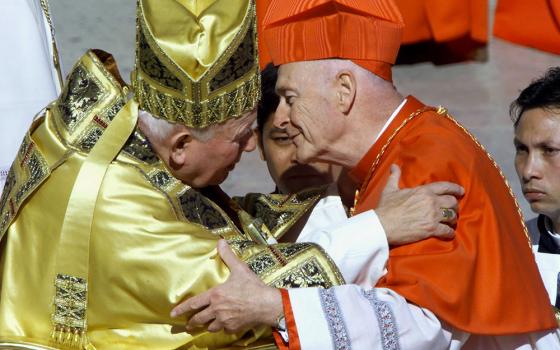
(196, 61)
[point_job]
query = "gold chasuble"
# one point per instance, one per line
(98, 240)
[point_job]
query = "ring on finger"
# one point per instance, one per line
(448, 214)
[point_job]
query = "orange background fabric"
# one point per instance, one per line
(444, 20)
(533, 23)
(484, 281)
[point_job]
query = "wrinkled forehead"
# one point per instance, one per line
(290, 75)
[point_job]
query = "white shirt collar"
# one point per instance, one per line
(391, 119)
(550, 230)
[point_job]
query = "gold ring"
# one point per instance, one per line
(448, 214)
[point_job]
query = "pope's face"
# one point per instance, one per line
(306, 99)
(210, 161)
(537, 159)
(279, 152)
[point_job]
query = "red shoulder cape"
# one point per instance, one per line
(485, 281)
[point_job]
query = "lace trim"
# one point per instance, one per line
(386, 320)
(335, 320)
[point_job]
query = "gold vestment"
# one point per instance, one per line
(152, 243)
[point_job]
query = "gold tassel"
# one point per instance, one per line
(73, 338)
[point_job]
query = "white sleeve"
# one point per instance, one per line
(549, 267)
(357, 245)
(328, 211)
(29, 80)
(348, 316)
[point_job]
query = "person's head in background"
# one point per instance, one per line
(278, 149)
(536, 116)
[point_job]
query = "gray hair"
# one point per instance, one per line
(334, 65)
(160, 129)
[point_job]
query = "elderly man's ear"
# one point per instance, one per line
(179, 148)
(346, 91)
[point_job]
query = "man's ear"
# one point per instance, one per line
(260, 143)
(180, 143)
(345, 90)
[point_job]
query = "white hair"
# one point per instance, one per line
(334, 65)
(160, 129)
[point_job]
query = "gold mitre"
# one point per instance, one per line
(196, 60)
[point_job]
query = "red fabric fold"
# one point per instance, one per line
(294, 343)
(485, 281)
(534, 23)
(368, 33)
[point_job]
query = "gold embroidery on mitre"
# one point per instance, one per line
(229, 88)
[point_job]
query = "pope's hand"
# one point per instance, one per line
(413, 214)
(241, 303)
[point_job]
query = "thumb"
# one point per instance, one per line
(228, 256)
(393, 180)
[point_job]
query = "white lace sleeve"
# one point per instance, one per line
(350, 317)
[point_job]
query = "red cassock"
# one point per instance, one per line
(444, 20)
(534, 23)
(484, 281)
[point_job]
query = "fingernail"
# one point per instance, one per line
(173, 313)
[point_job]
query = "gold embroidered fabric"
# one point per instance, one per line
(70, 302)
(280, 212)
(27, 173)
(140, 148)
(196, 63)
(69, 317)
(89, 101)
(80, 94)
(152, 244)
(100, 122)
(290, 265)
